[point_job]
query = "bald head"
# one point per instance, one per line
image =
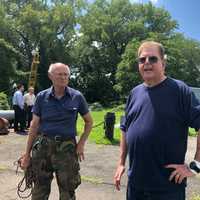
(53, 67)
(59, 74)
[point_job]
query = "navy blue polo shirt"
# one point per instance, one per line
(59, 116)
(156, 129)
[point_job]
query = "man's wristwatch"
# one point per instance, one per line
(195, 166)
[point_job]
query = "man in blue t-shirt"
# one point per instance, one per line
(154, 132)
(52, 136)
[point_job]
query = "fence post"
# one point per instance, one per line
(109, 122)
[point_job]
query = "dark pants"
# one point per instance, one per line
(133, 194)
(50, 157)
(29, 115)
(19, 118)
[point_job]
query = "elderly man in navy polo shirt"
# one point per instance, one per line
(52, 136)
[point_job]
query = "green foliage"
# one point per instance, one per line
(106, 30)
(98, 40)
(7, 63)
(192, 132)
(183, 61)
(119, 108)
(3, 101)
(49, 27)
(127, 75)
(111, 32)
(96, 106)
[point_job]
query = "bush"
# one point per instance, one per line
(4, 102)
(119, 108)
(96, 107)
(192, 132)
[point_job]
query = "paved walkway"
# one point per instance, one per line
(97, 171)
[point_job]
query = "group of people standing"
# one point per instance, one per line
(22, 105)
(154, 133)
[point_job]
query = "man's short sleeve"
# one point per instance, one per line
(125, 122)
(83, 106)
(194, 116)
(37, 105)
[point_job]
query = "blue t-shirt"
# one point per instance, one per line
(59, 116)
(156, 127)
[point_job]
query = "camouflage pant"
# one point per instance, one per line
(48, 157)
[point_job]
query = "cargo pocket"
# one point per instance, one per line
(67, 167)
(75, 179)
(40, 163)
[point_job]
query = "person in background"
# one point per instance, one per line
(18, 106)
(52, 136)
(155, 130)
(29, 100)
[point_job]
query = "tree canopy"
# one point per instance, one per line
(97, 40)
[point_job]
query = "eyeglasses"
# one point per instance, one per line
(151, 59)
(62, 74)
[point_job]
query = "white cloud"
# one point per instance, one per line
(144, 1)
(136, 1)
(154, 1)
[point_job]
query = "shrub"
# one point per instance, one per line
(192, 132)
(96, 107)
(119, 108)
(4, 101)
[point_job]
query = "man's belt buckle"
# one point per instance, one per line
(58, 138)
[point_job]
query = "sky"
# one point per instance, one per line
(185, 12)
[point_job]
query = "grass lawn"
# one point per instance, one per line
(98, 133)
(192, 132)
(196, 197)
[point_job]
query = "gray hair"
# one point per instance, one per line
(54, 65)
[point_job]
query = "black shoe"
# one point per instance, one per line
(22, 132)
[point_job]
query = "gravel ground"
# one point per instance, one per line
(97, 171)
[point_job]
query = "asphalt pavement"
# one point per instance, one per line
(97, 171)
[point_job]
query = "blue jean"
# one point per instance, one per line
(133, 194)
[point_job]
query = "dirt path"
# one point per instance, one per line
(97, 171)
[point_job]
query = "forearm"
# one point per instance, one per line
(197, 154)
(33, 132)
(123, 150)
(86, 131)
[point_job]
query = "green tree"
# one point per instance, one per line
(49, 26)
(7, 65)
(3, 101)
(98, 40)
(105, 31)
(183, 62)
